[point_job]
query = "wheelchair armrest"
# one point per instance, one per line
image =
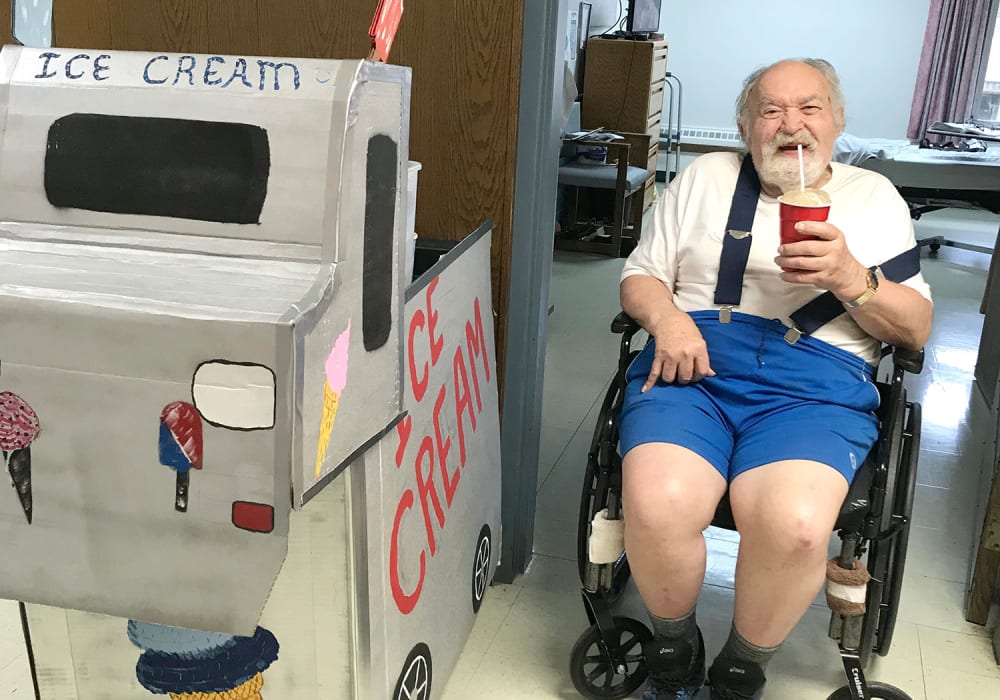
(911, 361)
(623, 323)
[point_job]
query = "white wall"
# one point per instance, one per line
(603, 13)
(874, 45)
(33, 22)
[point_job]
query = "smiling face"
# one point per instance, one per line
(791, 105)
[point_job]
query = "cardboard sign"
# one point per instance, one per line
(440, 476)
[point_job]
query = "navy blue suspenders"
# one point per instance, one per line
(736, 252)
(736, 245)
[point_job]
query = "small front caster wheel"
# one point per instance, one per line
(590, 666)
(876, 691)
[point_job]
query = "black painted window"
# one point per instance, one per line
(181, 168)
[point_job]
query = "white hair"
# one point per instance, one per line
(750, 84)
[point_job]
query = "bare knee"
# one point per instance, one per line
(665, 506)
(787, 509)
(669, 496)
(795, 531)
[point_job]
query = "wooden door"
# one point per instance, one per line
(6, 22)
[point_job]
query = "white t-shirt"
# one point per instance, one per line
(683, 245)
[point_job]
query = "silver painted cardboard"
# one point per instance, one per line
(85, 656)
(355, 612)
(436, 506)
(107, 322)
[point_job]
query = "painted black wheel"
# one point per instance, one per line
(481, 567)
(415, 679)
(877, 691)
(591, 670)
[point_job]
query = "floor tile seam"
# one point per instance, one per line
(548, 473)
(972, 674)
(12, 661)
(488, 644)
(920, 653)
(471, 676)
(554, 556)
(599, 398)
(964, 582)
(931, 662)
(986, 633)
(555, 463)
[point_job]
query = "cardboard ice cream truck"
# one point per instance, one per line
(203, 361)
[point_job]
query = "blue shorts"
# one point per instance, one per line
(769, 401)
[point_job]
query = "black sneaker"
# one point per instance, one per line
(735, 679)
(676, 670)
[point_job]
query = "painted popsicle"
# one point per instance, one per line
(19, 426)
(336, 380)
(181, 446)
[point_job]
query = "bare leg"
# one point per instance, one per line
(669, 496)
(785, 513)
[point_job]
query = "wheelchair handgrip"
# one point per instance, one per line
(623, 323)
(911, 361)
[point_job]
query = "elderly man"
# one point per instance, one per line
(731, 392)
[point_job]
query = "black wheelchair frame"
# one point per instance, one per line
(606, 661)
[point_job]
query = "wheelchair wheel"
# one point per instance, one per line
(887, 556)
(591, 670)
(903, 508)
(602, 488)
(879, 691)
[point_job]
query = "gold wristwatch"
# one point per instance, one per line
(868, 293)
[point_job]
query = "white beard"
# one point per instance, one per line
(783, 173)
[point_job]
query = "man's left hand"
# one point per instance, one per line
(824, 262)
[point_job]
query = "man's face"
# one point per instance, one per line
(791, 105)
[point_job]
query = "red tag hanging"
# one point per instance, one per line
(384, 27)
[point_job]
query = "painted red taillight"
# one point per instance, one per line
(255, 517)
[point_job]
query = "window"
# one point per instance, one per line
(986, 106)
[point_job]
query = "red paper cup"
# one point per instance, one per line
(791, 214)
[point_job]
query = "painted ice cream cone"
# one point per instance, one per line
(19, 468)
(331, 402)
(19, 426)
(196, 665)
(248, 691)
(336, 380)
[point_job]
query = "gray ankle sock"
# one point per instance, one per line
(737, 647)
(684, 628)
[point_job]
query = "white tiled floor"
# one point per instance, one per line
(15, 677)
(521, 642)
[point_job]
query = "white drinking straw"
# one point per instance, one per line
(802, 172)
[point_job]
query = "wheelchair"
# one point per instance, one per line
(874, 522)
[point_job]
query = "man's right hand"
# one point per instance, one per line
(681, 353)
